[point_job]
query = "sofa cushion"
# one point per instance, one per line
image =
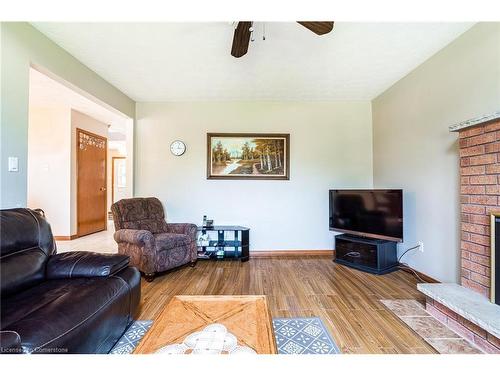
(168, 241)
(81, 315)
(75, 264)
(26, 243)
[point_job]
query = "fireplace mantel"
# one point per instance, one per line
(475, 121)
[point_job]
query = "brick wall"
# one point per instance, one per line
(480, 189)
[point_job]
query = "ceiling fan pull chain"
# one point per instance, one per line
(263, 31)
(251, 32)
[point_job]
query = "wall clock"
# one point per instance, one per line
(177, 148)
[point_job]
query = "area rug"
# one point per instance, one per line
(293, 336)
(303, 336)
(131, 337)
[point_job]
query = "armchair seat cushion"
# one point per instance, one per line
(168, 241)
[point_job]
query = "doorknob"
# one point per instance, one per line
(102, 189)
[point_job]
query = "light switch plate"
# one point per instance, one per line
(13, 164)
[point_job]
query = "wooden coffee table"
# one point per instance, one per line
(246, 317)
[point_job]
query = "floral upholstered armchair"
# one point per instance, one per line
(152, 244)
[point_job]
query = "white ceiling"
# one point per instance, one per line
(192, 61)
(45, 92)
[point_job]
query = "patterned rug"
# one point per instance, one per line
(131, 337)
(293, 336)
(303, 336)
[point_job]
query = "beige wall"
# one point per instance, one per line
(81, 121)
(330, 144)
(52, 163)
(22, 46)
(49, 166)
(413, 149)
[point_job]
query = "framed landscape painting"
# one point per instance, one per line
(248, 156)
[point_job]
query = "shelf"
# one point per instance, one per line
(228, 228)
(228, 254)
(225, 243)
(231, 242)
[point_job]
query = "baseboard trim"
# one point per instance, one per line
(66, 238)
(290, 253)
(423, 276)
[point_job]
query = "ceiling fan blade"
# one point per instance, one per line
(241, 39)
(318, 27)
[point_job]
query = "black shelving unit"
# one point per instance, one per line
(366, 254)
(237, 247)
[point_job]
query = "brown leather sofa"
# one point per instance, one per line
(152, 244)
(75, 302)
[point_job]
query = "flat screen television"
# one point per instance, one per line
(368, 213)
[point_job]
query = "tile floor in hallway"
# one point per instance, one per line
(101, 242)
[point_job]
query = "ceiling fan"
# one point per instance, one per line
(243, 32)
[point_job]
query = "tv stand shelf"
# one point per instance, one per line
(370, 255)
(237, 247)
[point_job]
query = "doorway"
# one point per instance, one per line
(56, 111)
(91, 182)
(119, 178)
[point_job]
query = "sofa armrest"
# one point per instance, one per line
(85, 264)
(183, 228)
(10, 342)
(138, 237)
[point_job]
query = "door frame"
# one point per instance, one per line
(78, 131)
(113, 177)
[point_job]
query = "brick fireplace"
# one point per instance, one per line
(472, 309)
(479, 199)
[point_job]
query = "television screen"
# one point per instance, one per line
(370, 213)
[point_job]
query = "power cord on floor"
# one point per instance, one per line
(405, 266)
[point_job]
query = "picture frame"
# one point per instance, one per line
(248, 156)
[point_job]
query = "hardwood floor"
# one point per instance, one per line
(345, 299)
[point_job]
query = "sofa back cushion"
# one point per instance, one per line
(26, 242)
(139, 213)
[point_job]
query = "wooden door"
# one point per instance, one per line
(91, 182)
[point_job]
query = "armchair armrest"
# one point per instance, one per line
(183, 228)
(134, 236)
(85, 264)
(10, 342)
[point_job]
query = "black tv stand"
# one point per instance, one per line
(366, 254)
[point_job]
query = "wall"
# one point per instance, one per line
(22, 46)
(84, 122)
(413, 149)
(49, 168)
(330, 144)
(52, 169)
